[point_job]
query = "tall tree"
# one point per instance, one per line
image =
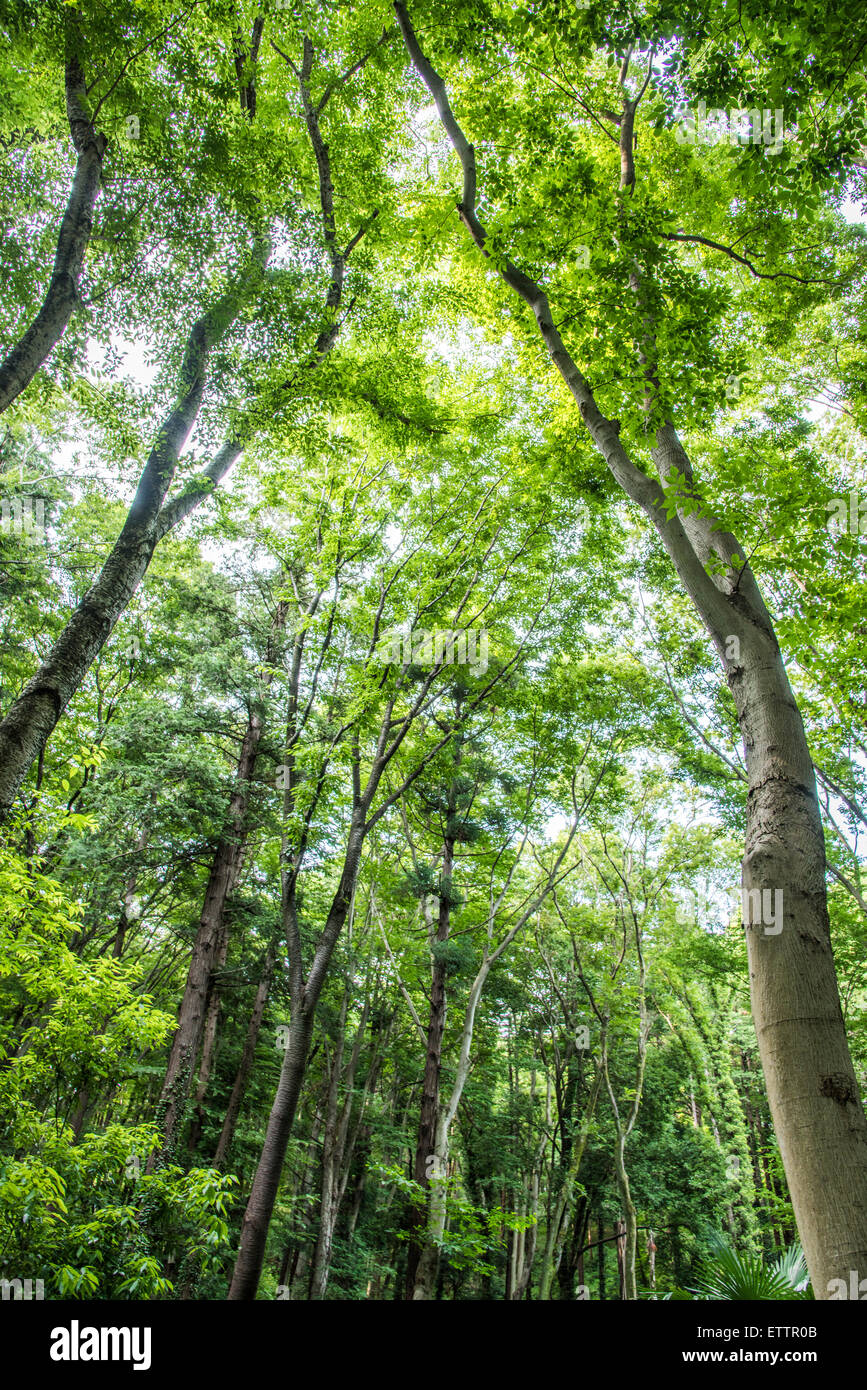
(811, 1082)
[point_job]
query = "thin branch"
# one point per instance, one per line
(356, 67)
(742, 260)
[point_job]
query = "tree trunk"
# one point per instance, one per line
(296, 1247)
(330, 1164)
(527, 1253)
(209, 1045)
(425, 1281)
(337, 1153)
(245, 1065)
(555, 1236)
(620, 1249)
(127, 912)
(627, 1237)
(263, 1194)
(36, 343)
(811, 1085)
(424, 1286)
(438, 1203)
(571, 1270)
(305, 997)
(210, 937)
(31, 718)
(362, 1155)
(424, 1163)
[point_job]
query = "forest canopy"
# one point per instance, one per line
(433, 744)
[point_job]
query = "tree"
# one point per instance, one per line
(814, 1095)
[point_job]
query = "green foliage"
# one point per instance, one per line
(77, 1209)
(410, 458)
(729, 1275)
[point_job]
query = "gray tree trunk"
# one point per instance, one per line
(32, 717)
(36, 343)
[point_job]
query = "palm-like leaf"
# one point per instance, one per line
(793, 1267)
(727, 1275)
(742, 1278)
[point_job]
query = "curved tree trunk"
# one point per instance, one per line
(263, 1194)
(30, 720)
(36, 343)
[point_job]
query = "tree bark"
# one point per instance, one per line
(425, 1143)
(438, 1200)
(38, 340)
(336, 1152)
(263, 1194)
(555, 1235)
(245, 1066)
(571, 1267)
(210, 938)
(209, 1044)
(32, 717)
(305, 997)
(621, 1247)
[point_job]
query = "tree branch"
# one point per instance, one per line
(742, 260)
